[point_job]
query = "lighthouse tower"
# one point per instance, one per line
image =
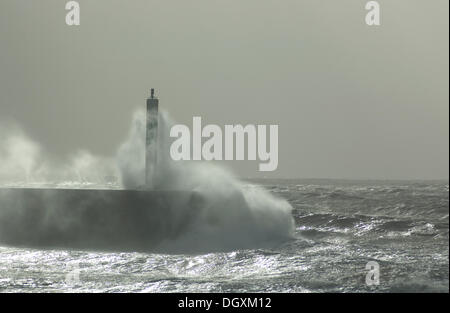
(151, 140)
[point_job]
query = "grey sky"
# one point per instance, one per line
(351, 101)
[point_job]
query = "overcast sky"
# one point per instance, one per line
(351, 101)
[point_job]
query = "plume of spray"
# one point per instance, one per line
(18, 155)
(230, 215)
(24, 163)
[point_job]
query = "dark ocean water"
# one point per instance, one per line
(340, 227)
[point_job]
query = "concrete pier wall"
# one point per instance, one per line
(116, 220)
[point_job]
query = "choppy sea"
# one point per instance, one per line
(340, 226)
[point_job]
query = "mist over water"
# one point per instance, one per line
(227, 214)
